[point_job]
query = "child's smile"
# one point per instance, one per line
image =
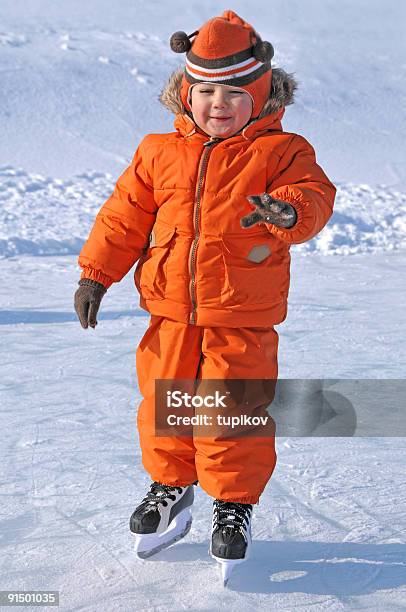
(220, 110)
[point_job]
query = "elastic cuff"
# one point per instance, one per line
(97, 275)
(248, 499)
(176, 483)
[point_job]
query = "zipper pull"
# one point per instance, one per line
(213, 140)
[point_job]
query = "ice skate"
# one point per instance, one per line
(163, 517)
(231, 535)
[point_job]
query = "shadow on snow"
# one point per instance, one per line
(323, 568)
(30, 315)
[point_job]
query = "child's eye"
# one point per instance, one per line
(210, 91)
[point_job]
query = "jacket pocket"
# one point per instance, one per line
(151, 273)
(252, 273)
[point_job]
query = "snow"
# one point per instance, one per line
(80, 82)
(367, 219)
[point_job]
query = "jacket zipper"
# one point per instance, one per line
(196, 224)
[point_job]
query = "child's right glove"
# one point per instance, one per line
(87, 301)
(269, 210)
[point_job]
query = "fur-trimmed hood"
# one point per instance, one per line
(282, 93)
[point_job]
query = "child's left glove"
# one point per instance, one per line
(87, 301)
(269, 210)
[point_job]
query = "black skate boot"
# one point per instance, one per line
(162, 518)
(231, 535)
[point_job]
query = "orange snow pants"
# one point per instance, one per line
(231, 469)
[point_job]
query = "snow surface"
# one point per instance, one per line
(79, 82)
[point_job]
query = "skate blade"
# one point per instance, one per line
(147, 545)
(227, 567)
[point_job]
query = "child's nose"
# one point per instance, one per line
(220, 100)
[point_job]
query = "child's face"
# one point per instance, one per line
(220, 110)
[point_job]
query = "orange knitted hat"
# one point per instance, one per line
(226, 50)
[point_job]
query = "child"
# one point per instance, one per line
(223, 197)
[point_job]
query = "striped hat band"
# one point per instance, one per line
(238, 69)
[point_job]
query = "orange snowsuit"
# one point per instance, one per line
(214, 289)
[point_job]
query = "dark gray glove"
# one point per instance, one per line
(269, 210)
(87, 301)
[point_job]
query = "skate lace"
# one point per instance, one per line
(159, 494)
(232, 515)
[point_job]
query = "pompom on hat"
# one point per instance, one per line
(227, 51)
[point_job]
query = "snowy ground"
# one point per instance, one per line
(44, 216)
(79, 82)
(330, 529)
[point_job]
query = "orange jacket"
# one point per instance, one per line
(177, 210)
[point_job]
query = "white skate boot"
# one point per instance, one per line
(163, 517)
